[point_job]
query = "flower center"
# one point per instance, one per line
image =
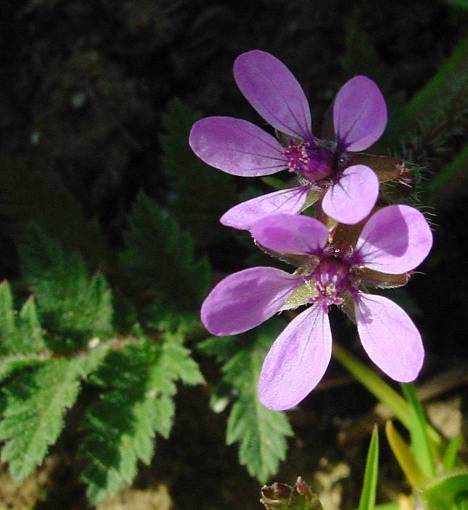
(310, 160)
(332, 279)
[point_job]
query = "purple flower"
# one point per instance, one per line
(241, 148)
(394, 241)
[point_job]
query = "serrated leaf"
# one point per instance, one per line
(199, 194)
(7, 318)
(261, 433)
(177, 361)
(35, 402)
(222, 348)
(120, 431)
(371, 473)
(157, 317)
(19, 333)
(72, 303)
(160, 258)
(138, 383)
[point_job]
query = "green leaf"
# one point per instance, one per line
(418, 432)
(73, 304)
(450, 455)
(136, 403)
(222, 348)
(19, 333)
(176, 360)
(369, 486)
(160, 258)
(35, 402)
(405, 457)
(261, 433)
(448, 492)
(199, 194)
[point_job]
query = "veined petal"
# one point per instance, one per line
(271, 88)
(245, 299)
(389, 337)
(352, 197)
(396, 239)
(359, 114)
(245, 214)
(236, 146)
(296, 361)
(284, 233)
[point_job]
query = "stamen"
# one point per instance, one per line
(311, 161)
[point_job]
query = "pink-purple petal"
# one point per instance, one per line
(359, 114)
(274, 92)
(296, 361)
(285, 233)
(245, 299)
(352, 197)
(242, 216)
(389, 337)
(236, 146)
(396, 239)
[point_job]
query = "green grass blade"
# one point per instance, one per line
(420, 443)
(405, 457)
(450, 455)
(371, 473)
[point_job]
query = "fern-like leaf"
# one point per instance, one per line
(160, 258)
(34, 404)
(72, 303)
(19, 333)
(138, 383)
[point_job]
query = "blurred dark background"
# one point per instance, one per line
(84, 85)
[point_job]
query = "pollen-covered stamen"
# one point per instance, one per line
(311, 161)
(332, 279)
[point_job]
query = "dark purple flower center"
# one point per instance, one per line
(310, 160)
(332, 278)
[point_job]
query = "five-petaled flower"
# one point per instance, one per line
(394, 241)
(240, 148)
